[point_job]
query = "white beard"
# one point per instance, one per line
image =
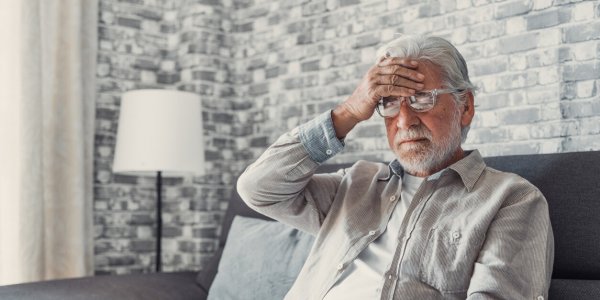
(426, 156)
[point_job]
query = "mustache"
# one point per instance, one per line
(414, 133)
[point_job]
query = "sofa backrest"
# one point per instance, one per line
(571, 184)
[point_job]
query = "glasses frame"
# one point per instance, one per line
(411, 99)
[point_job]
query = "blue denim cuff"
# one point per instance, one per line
(319, 139)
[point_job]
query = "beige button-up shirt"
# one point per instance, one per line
(472, 233)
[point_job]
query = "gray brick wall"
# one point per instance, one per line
(173, 45)
(263, 67)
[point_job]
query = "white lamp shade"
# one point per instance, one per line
(159, 130)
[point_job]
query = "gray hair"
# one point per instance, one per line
(441, 53)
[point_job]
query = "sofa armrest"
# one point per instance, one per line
(160, 286)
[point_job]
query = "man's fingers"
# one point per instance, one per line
(393, 90)
(403, 61)
(398, 81)
(401, 71)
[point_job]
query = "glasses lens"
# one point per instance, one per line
(421, 101)
(389, 106)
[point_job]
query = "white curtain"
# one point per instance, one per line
(47, 92)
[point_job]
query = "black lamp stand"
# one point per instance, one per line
(158, 220)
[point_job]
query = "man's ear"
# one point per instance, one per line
(469, 110)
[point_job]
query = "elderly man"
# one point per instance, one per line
(436, 223)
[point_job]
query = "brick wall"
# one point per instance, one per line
(166, 44)
(263, 67)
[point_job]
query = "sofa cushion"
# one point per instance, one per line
(261, 260)
(568, 289)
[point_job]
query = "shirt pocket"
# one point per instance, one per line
(448, 259)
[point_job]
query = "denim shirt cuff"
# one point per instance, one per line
(319, 139)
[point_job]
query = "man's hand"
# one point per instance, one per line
(393, 76)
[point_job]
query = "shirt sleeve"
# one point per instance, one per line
(282, 183)
(515, 261)
(319, 138)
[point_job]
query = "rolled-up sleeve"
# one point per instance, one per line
(319, 138)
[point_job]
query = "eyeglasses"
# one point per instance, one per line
(422, 101)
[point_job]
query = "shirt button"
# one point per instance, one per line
(540, 298)
(340, 267)
(328, 152)
(393, 198)
(372, 232)
(456, 235)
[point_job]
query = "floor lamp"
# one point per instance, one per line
(160, 133)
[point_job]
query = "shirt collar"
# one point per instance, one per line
(394, 169)
(469, 168)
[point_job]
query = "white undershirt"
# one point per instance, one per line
(364, 277)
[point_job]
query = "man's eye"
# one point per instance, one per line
(421, 98)
(390, 101)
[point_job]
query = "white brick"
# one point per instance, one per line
(290, 41)
(519, 132)
(168, 65)
(261, 24)
(515, 25)
(170, 16)
(410, 13)
(518, 62)
(296, 12)
(327, 60)
(460, 4)
(550, 37)
(144, 232)
(103, 176)
(388, 34)
(460, 35)
(186, 75)
(488, 84)
(278, 30)
(227, 25)
(551, 111)
(542, 94)
(486, 119)
(294, 67)
(102, 69)
(275, 85)
(367, 55)
(589, 125)
(551, 146)
(548, 75)
(173, 41)
(150, 26)
(585, 50)
(147, 76)
(586, 88)
(330, 34)
(394, 4)
(358, 27)
(333, 4)
(258, 75)
(583, 11)
(541, 4)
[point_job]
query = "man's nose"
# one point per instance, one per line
(406, 117)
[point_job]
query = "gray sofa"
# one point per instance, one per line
(570, 182)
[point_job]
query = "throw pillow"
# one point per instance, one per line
(261, 260)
